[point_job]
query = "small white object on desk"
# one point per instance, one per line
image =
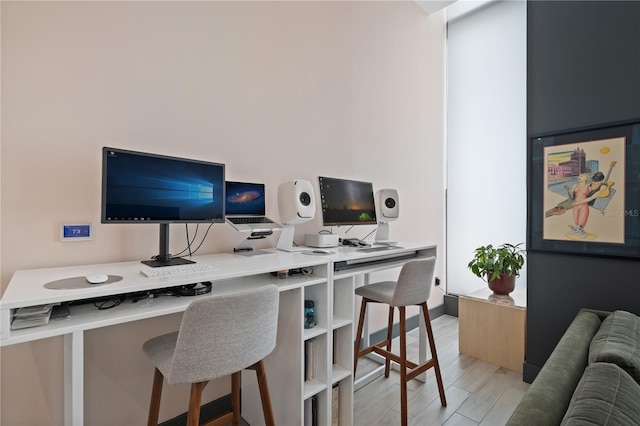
(318, 252)
(97, 279)
(171, 271)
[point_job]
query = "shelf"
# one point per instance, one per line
(313, 387)
(316, 331)
(339, 373)
(340, 322)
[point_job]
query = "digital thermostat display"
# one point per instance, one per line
(75, 232)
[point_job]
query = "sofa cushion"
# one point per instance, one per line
(606, 395)
(618, 341)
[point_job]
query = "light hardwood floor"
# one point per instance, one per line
(478, 393)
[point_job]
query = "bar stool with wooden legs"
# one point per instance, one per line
(413, 287)
(219, 335)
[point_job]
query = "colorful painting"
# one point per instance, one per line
(584, 197)
(584, 191)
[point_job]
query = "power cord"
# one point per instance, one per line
(189, 243)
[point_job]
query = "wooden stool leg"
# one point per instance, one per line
(356, 351)
(403, 366)
(264, 392)
(193, 416)
(387, 362)
(434, 355)
(235, 398)
(156, 394)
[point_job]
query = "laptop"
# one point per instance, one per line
(245, 207)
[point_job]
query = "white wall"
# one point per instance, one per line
(486, 136)
(275, 90)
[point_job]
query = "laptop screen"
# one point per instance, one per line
(244, 199)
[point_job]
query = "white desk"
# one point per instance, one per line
(333, 293)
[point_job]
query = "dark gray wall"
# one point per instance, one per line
(583, 69)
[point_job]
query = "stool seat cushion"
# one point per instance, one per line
(219, 335)
(413, 286)
(160, 351)
(379, 292)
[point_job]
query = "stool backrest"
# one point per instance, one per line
(414, 282)
(223, 334)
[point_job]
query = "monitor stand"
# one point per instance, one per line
(169, 262)
(246, 248)
(164, 258)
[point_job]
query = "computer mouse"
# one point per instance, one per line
(97, 278)
(320, 251)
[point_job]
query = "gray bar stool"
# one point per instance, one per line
(412, 288)
(219, 335)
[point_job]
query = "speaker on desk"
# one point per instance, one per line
(296, 202)
(387, 210)
(388, 205)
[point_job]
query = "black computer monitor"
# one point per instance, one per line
(141, 188)
(346, 202)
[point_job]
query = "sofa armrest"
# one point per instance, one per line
(548, 397)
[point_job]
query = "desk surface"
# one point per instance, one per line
(232, 272)
(26, 287)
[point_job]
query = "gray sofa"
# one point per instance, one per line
(592, 376)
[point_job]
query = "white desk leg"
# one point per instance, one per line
(365, 329)
(74, 378)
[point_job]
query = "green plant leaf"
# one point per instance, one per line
(490, 262)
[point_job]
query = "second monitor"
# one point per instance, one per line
(346, 202)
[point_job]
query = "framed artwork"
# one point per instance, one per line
(584, 191)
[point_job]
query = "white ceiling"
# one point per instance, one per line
(432, 6)
(455, 8)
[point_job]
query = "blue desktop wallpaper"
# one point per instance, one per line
(142, 187)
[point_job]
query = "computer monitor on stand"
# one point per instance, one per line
(346, 203)
(143, 188)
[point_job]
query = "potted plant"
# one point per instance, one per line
(498, 266)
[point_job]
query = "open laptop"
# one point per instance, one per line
(245, 207)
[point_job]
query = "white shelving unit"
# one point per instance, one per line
(317, 362)
(342, 348)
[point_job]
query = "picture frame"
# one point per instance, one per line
(584, 191)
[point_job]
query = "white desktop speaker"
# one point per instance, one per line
(296, 202)
(388, 205)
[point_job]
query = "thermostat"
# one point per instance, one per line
(75, 232)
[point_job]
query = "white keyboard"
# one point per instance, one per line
(172, 271)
